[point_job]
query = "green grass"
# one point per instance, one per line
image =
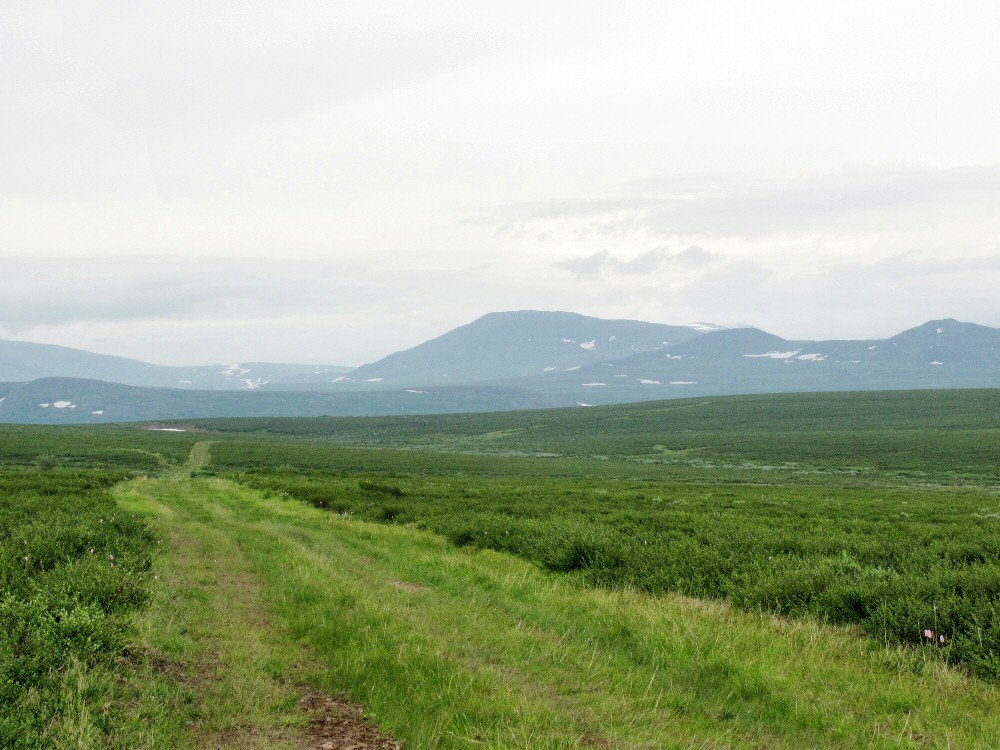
(457, 648)
(867, 517)
(139, 450)
(73, 567)
(895, 562)
(940, 436)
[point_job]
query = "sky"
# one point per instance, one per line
(329, 182)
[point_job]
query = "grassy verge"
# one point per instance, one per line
(456, 648)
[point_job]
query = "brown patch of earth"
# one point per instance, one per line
(338, 725)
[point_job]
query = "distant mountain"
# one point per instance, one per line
(25, 361)
(502, 361)
(74, 401)
(505, 345)
(938, 354)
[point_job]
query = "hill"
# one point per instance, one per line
(76, 401)
(509, 360)
(505, 345)
(24, 361)
(938, 354)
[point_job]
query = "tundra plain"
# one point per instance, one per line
(730, 572)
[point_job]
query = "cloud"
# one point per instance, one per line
(179, 310)
(649, 262)
(961, 200)
(849, 300)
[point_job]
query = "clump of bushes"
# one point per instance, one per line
(72, 567)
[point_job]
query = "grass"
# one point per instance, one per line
(73, 567)
(453, 648)
(896, 562)
(207, 668)
(259, 607)
(948, 436)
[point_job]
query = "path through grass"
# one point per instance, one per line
(262, 600)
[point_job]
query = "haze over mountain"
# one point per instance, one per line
(511, 360)
(24, 361)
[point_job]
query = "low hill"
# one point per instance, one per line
(76, 401)
(24, 361)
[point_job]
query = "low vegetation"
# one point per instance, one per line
(897, 561)
(786, 571)
(451, 648)
(73, 568)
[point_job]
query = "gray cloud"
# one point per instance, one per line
(753, 207)
(848, 300)
(604, 262)
(145, 288)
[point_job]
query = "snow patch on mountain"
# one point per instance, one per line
(774, 355)
(704, 327)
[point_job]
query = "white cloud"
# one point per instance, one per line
(604, 262)
(263, 179)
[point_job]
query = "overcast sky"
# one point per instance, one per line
(194, 182)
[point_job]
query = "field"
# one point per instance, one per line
(735, 572)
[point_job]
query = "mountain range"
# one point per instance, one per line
(508, 360)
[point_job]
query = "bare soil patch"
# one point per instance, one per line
(339, 725)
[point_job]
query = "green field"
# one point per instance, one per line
(939, 436)
(730, 572)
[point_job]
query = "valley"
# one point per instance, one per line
(671, 574)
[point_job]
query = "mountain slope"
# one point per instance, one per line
(938, 354)
(505, 345)
(75, 401)
(24, 361)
